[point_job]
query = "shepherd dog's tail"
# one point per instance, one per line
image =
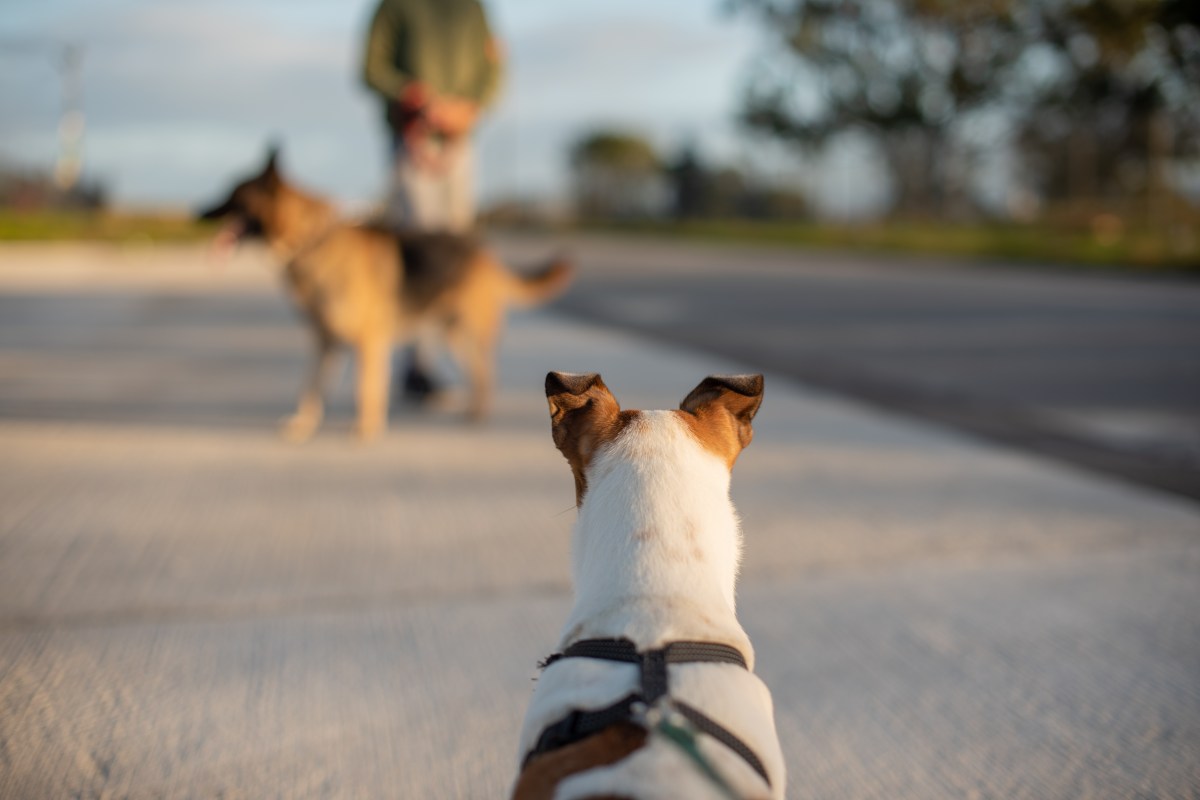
(541, 287)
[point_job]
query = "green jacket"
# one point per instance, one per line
(445, 44)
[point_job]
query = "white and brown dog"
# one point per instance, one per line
(652, 694)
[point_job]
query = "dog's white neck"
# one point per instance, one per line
(657, 543)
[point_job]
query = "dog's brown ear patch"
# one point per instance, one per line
(719, 412)
(584, 416)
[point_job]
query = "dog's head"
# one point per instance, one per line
(251, 204)
(585, 418)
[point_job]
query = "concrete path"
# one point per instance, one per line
(190, 608)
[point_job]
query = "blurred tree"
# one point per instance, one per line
(689, 184)
(702, 191)
(774, 203)
(1120, 99)
(618, 175)
(1093, 89)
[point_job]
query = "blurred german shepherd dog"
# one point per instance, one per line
(369, 287)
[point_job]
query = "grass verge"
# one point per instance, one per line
(64, 226)
(1137, 250)
(1140, 250)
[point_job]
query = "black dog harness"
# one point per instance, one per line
(580, 724)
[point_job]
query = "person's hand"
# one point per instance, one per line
(414, 95)
(453, 117)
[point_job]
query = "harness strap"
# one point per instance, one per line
(580, 724)
(654, 675)
(706, 724)
(625, 650)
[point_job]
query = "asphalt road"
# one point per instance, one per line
(191, 608)
(1099, 371)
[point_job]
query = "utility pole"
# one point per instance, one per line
(69, 164)
(71, 125)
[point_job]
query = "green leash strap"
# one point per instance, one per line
(679, 731)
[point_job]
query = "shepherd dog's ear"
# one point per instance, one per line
(583, 416)
(270, 173)
(722, 408)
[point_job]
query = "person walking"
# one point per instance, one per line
(436, 67)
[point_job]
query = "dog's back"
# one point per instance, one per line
(435, 263)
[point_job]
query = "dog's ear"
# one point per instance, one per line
(581, 410)
(723, 407)
(270, 173)
(583, 416)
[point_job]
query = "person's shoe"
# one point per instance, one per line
(419, 389)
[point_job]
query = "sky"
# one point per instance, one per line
(181, 96)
